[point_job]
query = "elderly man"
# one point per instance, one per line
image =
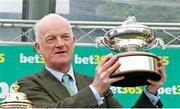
(59, 86)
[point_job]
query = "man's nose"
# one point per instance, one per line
(59, 42)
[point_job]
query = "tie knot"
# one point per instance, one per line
(66, 78)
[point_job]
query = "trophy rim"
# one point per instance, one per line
(138, 53)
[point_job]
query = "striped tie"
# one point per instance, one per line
(66, 81)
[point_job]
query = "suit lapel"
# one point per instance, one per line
(81, 81)
(54, 85)
(57, 89)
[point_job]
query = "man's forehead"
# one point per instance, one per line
(55, 34)
(55, 31)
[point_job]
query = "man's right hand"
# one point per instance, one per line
(108, 66)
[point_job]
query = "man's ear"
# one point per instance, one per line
(37, 47)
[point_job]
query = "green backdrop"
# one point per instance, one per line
(19, 61)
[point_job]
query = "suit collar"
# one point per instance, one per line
(59, 75)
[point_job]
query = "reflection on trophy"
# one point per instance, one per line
(15, 99)
(132, 39)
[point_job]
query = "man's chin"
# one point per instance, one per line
(61, 61)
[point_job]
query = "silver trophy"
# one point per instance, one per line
(16, 99)
(131, 40)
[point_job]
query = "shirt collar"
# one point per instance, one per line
(59, 75)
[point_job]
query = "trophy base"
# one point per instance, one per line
(136, 78)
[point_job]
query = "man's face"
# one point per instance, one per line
(56, 45)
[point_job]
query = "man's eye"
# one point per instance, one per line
(50, 39)
(66, 37)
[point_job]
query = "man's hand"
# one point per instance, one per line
(155, 85)
(107, 67)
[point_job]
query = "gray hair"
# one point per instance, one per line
(38, 24)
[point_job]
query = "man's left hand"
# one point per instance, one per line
(155, 85)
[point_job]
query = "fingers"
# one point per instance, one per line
(161, 70)
(152, 81)
(108, 62)
(155, 85)
(112, 80)
(111, 70)
(114, 67)
(108, 66)
(105, 59)
(163, 74)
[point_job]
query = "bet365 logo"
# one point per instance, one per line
(31, 59)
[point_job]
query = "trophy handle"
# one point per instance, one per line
(100, 40)
(158, 42)
(161, 43)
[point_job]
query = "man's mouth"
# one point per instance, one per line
(60, 52)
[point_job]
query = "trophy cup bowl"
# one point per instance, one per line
(136, 67)
(129, 40)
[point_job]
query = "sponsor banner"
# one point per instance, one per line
(19, 61)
